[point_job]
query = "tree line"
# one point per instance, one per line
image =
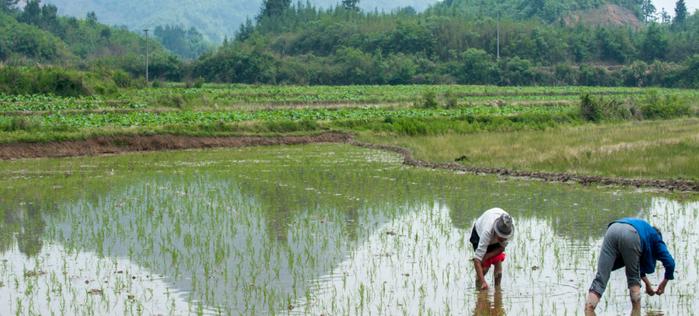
(300, 44)
(36, 34)
(452, 42)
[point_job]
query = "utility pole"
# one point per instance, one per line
(146, 31)
(498, 32)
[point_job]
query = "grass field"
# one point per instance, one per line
(651, 149)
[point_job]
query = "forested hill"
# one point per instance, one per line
(300, 44)
(216, 19)
(36, 34)
(549, 11)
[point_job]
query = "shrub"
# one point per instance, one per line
(196, 84)
(18, 124)
(172, 100)
(589, 109)
(452, 100)
(655, 107)
(59, 81)
(429, 100)
(121, 79)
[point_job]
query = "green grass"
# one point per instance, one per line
(524, 128)
(650, 149)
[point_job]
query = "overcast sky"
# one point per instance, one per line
(669, 5)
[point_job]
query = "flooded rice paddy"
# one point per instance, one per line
(319, 229)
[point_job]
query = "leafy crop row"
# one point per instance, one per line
(149, 119)
(229, 96)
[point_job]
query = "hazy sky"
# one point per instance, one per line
(669, 5)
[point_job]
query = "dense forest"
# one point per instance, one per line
(449, 43)
(455, 41)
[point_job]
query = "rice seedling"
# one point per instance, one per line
(239, 231)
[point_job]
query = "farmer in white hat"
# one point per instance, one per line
(489, 237)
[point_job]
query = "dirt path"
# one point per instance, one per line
(123, 144)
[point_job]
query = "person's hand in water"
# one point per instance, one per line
(484, 286)
(649, 291)
(661, 287)
(649, 287)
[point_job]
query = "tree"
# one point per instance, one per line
(91, 18)
(273, 8)
(31, 13)
(665, 17)
(648, 10)
(680, 13)
(8, 5)
(654, 45)
(690, 73)
(245, 30)
(477, 67)
(350, 5)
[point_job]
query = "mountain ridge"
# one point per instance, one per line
(215, 19)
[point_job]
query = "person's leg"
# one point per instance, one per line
(630, 249)
(605, 264)
(498, 274)
(474, 242)
(635, 294)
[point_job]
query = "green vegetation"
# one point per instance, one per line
(334, 228)
(447, 122)
(655, 149)
(59, 82)
(215, 19)
(37, 35)
(455, 42)
(401, 110)
(187, 44)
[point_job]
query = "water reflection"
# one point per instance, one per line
(314, 229)
(489, 306)
(58, 281)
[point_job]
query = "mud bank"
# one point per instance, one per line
(123, 144)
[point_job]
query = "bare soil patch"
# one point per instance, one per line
(123, 144)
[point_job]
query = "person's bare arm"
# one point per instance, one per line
(649, 287)
(480, 278)
(661, 287)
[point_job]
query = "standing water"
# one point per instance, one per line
(320, 229)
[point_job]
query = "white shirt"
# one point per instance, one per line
(485, 227)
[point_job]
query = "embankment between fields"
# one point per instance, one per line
(124, 144)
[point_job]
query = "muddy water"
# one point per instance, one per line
(322, 229)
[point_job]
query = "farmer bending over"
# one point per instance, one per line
(636, 245)
(489, 238)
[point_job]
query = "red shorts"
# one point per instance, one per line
(497, 259)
